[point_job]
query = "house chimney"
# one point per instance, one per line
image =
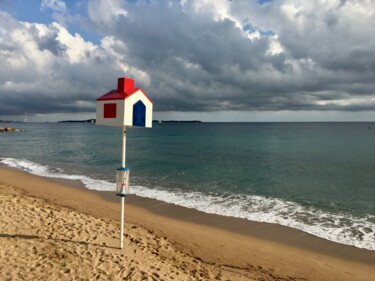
(125, 84)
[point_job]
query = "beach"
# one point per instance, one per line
(53, 230)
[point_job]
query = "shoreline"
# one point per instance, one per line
(212, 238)
(347, 228)
(261, 230)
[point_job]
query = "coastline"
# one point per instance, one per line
(251, 247)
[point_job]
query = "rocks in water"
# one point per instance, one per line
(8, 130)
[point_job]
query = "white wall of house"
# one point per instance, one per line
(129, 103)
(116, 122)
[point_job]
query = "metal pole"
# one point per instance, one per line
(123, 198)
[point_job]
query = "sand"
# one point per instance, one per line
(51, 231)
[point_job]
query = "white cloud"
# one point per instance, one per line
(219, 9)
(275, 47)
(45, 68)
(55, 5)
(77, 50)
(106, 11)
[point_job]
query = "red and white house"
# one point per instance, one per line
(126, 106)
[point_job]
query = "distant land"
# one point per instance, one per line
(94, 121)
(153, 121)
(11, 121)
(176, 121)
(78, 121)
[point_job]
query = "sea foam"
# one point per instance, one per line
(46, 171)
(338, 227)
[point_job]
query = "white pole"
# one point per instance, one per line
(122, 222)
(123, 198)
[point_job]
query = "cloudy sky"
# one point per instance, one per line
(238, 60)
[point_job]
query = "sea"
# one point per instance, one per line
(315, 177)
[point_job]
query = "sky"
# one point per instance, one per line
(212, 60)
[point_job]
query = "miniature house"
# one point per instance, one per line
(125, 106)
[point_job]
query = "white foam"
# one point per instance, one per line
(341, 228)
(46, 171)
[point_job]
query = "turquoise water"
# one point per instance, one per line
(316, 177)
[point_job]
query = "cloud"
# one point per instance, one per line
(200, 57)
(46, 69)
(105, 12)
(194, 55)
(57, 6)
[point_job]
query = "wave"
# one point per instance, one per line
(46, 171)
(343, 228)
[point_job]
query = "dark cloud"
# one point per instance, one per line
(198, 64)
(49, 42)
(194, 56)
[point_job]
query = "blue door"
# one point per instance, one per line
(139, 114)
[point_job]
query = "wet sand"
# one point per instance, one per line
(72, 232)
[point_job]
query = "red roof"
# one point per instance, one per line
(124, 90)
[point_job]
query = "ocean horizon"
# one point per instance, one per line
(317, 177)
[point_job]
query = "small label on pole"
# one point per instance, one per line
(122, 182)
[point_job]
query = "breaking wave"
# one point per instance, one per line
(343, 228)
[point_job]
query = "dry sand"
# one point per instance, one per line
(51, 231)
